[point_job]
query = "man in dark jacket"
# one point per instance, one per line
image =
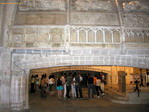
(68, 84)
(90, 86)
(77, 80)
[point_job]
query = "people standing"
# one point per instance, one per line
(33, 82)
(102, 77)
(95, 79)
(98, 87)
(59, 87)
(68, 85)
(37, 82)
(90, 87)
(43, 87)
(73, 90)
(63, 79)
(51, 82)
(77, 79)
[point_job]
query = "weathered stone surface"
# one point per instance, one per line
(94, 18)
(92, 5)
(1, 24)
(133, 20)
(135, 6)
(27, 5)
(40, 18)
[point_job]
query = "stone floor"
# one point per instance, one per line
(52, 104)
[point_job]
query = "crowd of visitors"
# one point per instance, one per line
(68, 86)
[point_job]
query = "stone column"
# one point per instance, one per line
(27, 89)
(5, 57)
(2, 6)
(9, 13)
(122, 81)
(18, 98)
(19, 89)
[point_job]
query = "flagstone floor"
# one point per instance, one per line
(52, 104)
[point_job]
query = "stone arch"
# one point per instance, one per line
(28, 61)
(35, 61)
(73, 68)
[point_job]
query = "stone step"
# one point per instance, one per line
(117, 99)
(130, 98)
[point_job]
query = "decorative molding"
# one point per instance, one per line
(60, 36)
(136, 32)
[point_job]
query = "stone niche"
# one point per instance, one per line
(94, 35)
(137, 36)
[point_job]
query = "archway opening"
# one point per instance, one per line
(111, 74)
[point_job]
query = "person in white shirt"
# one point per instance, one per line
(51, 83)
(98, 87)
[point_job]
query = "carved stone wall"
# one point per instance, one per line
(42, 37)
(88, 56)
(101, 12)
(40, 18)
(94, 19)
(136, 36)
(66, 36)
(135, 6)
(75, 32)
(135, 20)
(135, 13)
(92, 5)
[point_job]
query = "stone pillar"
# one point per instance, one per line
(9, 12)
(5, 60)
(109, 79)
(1, 22)
(122, 81)
(18, 93)
(27, 89)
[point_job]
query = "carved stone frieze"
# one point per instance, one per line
(136, 33)
(56, 36)
(132, 20)
(89, 5)
(42, 5)
(137, 5)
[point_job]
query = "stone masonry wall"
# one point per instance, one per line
(48, 33)
(29, 59)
